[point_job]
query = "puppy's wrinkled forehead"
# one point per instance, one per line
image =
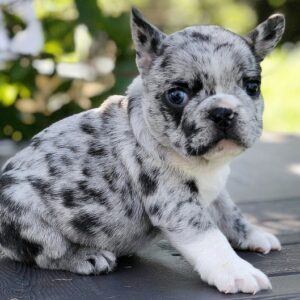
(209, 53)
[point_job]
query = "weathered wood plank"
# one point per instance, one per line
(284, 288)
(155, 274)
(136, 278)
(287, 261)
(281, 217)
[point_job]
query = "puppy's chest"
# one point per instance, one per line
(210, 183)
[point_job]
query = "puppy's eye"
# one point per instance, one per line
(252, 88)
(177, 97)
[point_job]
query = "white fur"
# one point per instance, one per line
(261, 241)
(219, 265)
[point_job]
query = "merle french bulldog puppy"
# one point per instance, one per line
(99, 184)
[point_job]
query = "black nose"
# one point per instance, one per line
(223, 117)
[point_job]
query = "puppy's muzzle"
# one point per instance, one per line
(222, 117)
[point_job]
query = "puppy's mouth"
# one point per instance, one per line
(221, 143)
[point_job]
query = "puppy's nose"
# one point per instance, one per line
(222, 117)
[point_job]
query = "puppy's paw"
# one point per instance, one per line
(94, 262)
(237, 276)
(261, 241)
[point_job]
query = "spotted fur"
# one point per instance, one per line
(102, 183)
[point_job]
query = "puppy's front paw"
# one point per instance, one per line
(237, 276)
(261, 241)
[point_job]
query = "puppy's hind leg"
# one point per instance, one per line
(58, 252)
(23, 240)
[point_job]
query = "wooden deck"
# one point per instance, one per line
(159, 272)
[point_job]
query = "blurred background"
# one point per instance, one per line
(59, 57)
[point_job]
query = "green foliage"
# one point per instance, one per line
(84, 31)
(281, 90)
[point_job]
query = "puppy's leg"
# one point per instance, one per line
(191, 230)
(30, 239)
(238, 230)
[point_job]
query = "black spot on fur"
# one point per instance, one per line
(240, 227)
(96, 150)
(111, 177)
(6, 181)
(66, 160)
(200, 36)
(126, 193)
(194, 57)
(83, 185)
(195, 222)
(42, 187)
(10, 238)
(90, 224)
(199, 150)
(108, 115)
(190, 200)
(154, 45)
(188, 128)
(154, 210)
(88, 129)
(165, 62)
(191, 184)
(73, 149)
(253, 35)
(35, 142)
(131, 105)
(142, 37)
(69, 198)
(53, 168)
(11, 206)
(86, 172)
(139, 159)
(92, 194)
(223, 45)
(85, 223)
(148, 184)
(128, 211)
(196, 84)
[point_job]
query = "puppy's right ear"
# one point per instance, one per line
(147, 40)
(266, 35)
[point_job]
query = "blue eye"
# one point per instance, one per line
(177, 97)
(252, 88)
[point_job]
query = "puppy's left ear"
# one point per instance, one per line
(266, 35)
(147, 40)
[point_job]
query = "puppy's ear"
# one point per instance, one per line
(266, 35)
(147, 40)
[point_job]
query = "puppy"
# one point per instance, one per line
(101, 183)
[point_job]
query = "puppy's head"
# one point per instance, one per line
(201, 85)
